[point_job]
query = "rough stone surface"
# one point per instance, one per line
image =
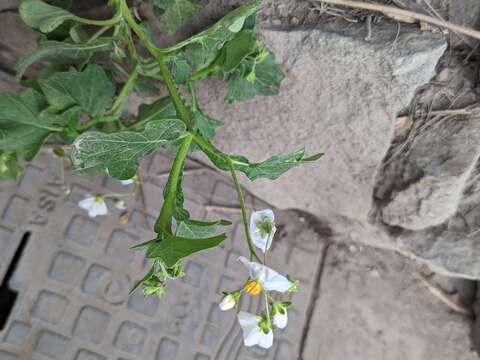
(426, 190)
(371, 306)
(340, 96)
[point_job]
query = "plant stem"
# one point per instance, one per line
(241, 200)
(88, 124)
(114, 20)
(122, 97)
(99, 33)
(163, 223)
(182, 110)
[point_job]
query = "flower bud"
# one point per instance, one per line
(228, 302)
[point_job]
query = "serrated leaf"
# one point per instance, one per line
(275, 166)
(91, 89)
(254, 77)
(42, 16)
(195, 229)
(23, 128)
(271, 168)
(119, 153)
(173, 14)
(170, 249)
(58, 52)
(203, 48)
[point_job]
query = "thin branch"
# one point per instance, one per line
(398, 14)
(443, 297)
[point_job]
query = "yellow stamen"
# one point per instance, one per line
(253, 287)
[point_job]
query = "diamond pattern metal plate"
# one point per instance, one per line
(75, 272)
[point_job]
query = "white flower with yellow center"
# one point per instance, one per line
(263, 278)
(262, 228)
(256, 330)
(95, 205)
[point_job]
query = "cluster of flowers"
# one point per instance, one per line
(95, 205)
(258, 329)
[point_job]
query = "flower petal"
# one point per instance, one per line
(270, 279)
(261, 240)
(280, 320)
(99, 208)
(265, 340)
(94, 206)
(249, 324)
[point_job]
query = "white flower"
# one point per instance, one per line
(95, 205)
(119, 204)
(269, 279)
(262, 228)
(253, 334)
(280, 320)
(228, 302)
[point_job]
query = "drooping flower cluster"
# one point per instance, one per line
(258, 329)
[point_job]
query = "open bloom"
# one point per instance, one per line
(95, 205)
(262, 228)
(253, 331)
(263, 278)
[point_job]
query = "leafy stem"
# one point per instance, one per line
(177, 100)
(164, 220)
(241, 200)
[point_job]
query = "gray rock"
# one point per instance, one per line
(340, 96)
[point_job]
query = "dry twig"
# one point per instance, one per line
(443, 297)
(404, 15)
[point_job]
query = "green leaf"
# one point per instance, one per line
(161, 109)
(23, 128)
(275, 166)
(42, 16)
(181, 71)
(254, 76)
(173, 14)
(171, 248)
(91, 89)
(271, 168)
(58, 52)
(119, 153)
(242, 45)
(147, 276)
(199, 229)
(203, 48)
(9, 167)
(206, 125)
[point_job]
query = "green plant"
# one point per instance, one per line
(79, 99)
